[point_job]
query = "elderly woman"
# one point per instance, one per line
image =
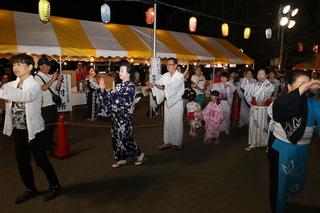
(290, 140)
(23, 120)
(118, 104)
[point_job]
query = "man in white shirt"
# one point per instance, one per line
(198, 84)
(49, 109)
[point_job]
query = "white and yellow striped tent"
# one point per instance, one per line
(78, 40)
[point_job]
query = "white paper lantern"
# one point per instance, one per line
(44, 10)
(105, 13)
(268, 33)
(192, 24)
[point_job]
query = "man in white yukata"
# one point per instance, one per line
(170, 88)
(258, 95)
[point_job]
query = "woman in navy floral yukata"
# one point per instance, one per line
(118, 104)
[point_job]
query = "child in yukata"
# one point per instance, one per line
(213, 117)
(193, 114)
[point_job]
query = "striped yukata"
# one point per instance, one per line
(256, 94)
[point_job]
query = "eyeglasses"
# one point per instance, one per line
(170, 65)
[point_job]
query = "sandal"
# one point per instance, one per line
(140, 159)
(249, 148)
(119, 163)
(164, 146)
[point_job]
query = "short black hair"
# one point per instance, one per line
(22, 58)
(44, 60)
(292, 76)
(175, 61)
(215, 93)
(125, 63)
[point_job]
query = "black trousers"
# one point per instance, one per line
(273, 156)
(37, 148)
(50, 116)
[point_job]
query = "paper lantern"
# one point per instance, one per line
(105, 13)
(315, 48)
(225, 29)
(192, 24)
(246, 33)
(150, 16)
(44, 10)
(268, 33)
(300, 47)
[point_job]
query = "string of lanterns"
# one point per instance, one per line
(44, 15)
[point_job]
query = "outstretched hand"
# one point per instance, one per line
(102, 85)
(149, 85)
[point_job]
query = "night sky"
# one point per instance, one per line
(258, 14)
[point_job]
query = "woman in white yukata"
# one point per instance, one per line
(245, 106)
(226, 90)
(258, 95)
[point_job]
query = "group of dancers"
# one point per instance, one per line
(293, 115)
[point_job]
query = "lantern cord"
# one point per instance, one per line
(196, 13)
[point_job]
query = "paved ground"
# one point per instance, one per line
(201, 178)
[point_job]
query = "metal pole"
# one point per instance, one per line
(60, 63)
(154, 53)
(155, 31)
(281, 48)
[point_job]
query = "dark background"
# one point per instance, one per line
(257, 14)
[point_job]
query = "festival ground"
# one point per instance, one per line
(200, 178)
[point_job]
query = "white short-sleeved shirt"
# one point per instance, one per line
(46, 95)
(200, 82)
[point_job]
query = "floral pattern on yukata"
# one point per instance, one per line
(117, 105)
(19, 119)
(212, 116)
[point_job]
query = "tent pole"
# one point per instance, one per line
(60, 63)
(154, 53)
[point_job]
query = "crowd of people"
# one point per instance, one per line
(279, 117)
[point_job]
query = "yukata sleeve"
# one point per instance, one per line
(93, 86)
(158, 93)
(105, 104)
(286, 106)
(206, 113)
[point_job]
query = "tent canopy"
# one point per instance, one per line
(78, 39)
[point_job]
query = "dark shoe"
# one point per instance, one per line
(52, 193)
(27, 195)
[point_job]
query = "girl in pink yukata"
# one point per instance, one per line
(213, 117)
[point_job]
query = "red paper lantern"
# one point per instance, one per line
(150, 16)
(315, 48)
(300, 47)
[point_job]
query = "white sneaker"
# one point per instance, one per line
(119, 163)
(139, 160)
